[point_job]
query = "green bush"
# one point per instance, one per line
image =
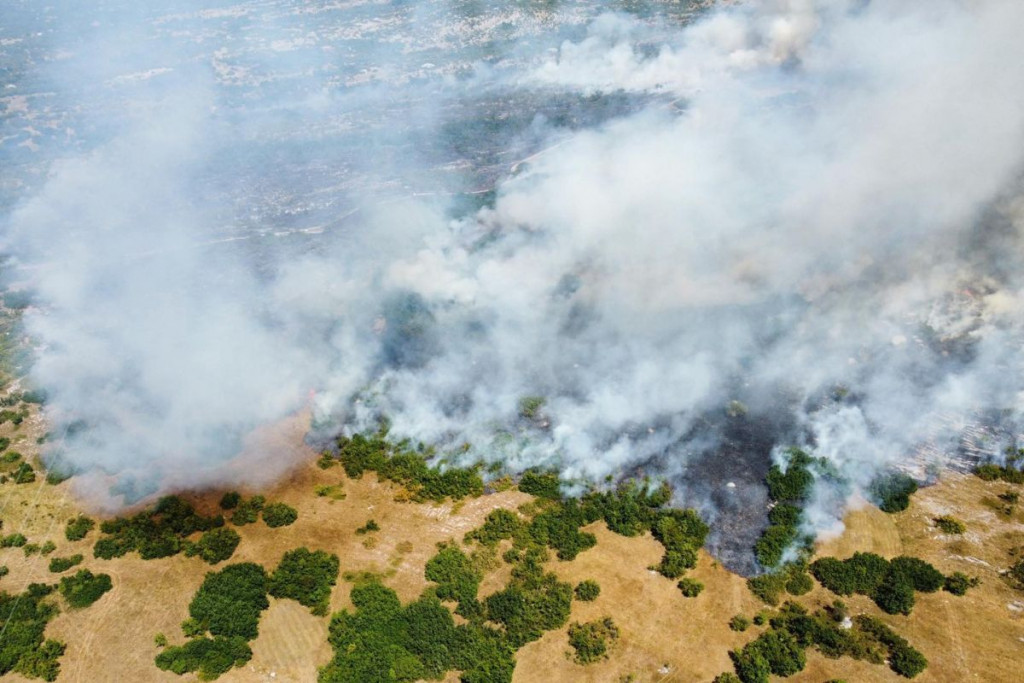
(209, 657)
(216, 545)
(592, 639)
(793, 485)
(248, 511)
(457, 578)
(84, 588)
(918, 573)
(278, 515)
(739, 623)
(230, 500)
(957, 583)
(13, 541)
(499, 525)
(587, 591)
(690, 588)
(78, 527)
(768, 587)
(24, 474)
(543, 484)
(895, 595)
(62, 564)
(370, 526)
(306, 577)
(229, 602)
(892, 491)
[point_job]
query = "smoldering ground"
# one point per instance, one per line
(765, 224)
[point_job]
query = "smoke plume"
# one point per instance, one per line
(666, 242)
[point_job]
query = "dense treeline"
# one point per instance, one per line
(22, 648)
(409, 467)
(892, 491)
(155, 533)
(780, 650)
(210, 657)
(890, 583)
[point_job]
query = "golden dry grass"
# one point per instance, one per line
(664, 636)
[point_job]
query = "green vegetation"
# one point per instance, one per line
(62, 564)
(78, 527)
(950, 525)
(216, 545)
(456, 578)
(1015, 575)
(791, 578)
(248, 511)
(957, 583)
(781, 649)
(279, 514)
(229, 602)
(1010, 472)
(210, 657)
(334, 492)
(587, 591)
(84, 588)
(891, 584)
(739, 623)
(22, 649)
(13, 541)
(230, 500)
(24, 474)
(306, 577)
(530, 406)
(499, 525)
(534, 601)
(160, 640)
(367, 528)
(408, 467)
(788, 489)
(690, 588)
(592, 639)
(155, 533)
(892, 491)
(48, 548)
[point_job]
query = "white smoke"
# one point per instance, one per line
(795, 233)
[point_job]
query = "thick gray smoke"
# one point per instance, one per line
(788, 222)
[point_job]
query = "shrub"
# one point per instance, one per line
(541, 484)
(278, 515)
(84, 588)
(895, 595)
(210, 657)
(957, 583)
(592, 639)
(457, 578)
(768, 587)
(62, 564)
(248, 511)
(48, 548)
(500, 524)
(306, 577)
(229, 602)
(918, 573)
(371, 525)
(216, 545)
(587, 591)
(739, 623)
(160, 640)
(690, 588)
(892, 491)
(78, 527)
(13, 541)
(727, 678)
(794, 484)
(230, 500)
(24, 474)
(154, 533)
(950, 525)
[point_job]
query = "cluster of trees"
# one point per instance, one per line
(62, 564)
(781, 650)
(592, 639)
(892, 491)
(78, 527)
(409, 467)
(229, 602)
(788, 489)
(22, 649)
(1008, 473)
(382, 641)
(950, 525)
(890, 583)
(84, 588)
(210, 657)
(370, 527)
(247, 511)
(307, 577)
(457, 579)
(155, 533)
(791, 578)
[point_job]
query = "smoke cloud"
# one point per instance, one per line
(697, 237)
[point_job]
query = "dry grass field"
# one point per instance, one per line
(664, 636)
